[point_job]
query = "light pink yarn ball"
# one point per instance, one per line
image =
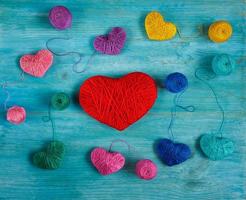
(146, 169)
(16, 115)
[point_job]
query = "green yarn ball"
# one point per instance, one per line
(223, 64)
(60, 101)
(51, 157)
(216, 148)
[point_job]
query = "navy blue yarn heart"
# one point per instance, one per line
(172, 153)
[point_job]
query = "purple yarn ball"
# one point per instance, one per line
(60, 17)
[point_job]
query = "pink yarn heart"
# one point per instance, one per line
(112, 43)
(37, 65)
(107, 162)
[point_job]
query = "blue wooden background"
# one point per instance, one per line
(24, 28)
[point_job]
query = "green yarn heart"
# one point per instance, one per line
(51, 157)
(216, 148)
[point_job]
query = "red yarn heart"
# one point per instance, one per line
(118, 102)
(37, 65)
(107, 162)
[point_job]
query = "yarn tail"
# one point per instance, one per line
(216, 99)
(189, 108)
(50, 119)
(4, 86)
(79, 55)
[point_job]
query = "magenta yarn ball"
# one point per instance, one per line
(16, 115)
(60, 17)
(146, 169)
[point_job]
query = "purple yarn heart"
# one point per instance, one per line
(172, 153)
(112, 43)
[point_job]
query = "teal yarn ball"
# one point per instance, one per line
(60, 101)
(51, 157)
(216, 148)
(223, 64)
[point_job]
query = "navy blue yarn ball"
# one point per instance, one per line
(176, 82)
(172, 153)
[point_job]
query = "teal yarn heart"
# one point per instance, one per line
(216, 148)
(51, 157)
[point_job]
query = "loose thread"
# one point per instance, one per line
(186, 38)
(122, 141)
(4, 86)
(79, 55)
(189, 108)
(49, 118)
(217, 102)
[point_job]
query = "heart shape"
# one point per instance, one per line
(107, 162)
(216, 148)
(37, 65)
(157, 28)
(172, 153)
(118, 102)
(51, 157)
(112, 43)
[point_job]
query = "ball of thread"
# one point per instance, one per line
(60, 17)
(220, 31)
(176, 82)
(16, 115)
(60, 101)
(146, 169)
(223, 64)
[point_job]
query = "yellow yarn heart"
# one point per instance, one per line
(157, 28)
(220, 31)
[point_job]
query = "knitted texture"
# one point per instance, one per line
(216, 148)
(172, 153)
(60, 101)
(146, 169)
(60, 17)
(112, 43)
(37, 65)
(223, 64)
(16, 115)
(157, 28)
(220, 31)
(118, 102)
(107, 162)
(51, 157)
(175, 82)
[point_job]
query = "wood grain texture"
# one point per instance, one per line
(24, 28)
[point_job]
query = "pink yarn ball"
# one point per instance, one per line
(16, 115)
(146, 169)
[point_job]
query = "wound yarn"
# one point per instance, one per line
(16, 115)
(60, 101)
(157, 28)
(107, 162)
(146, 169)
(175, 82)
(223, 64)
(51, 157)
(60, 17)
(216, 148)
(112, 43)
(172, 153)
(38, 64)
(220, 31)
(118, 102)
